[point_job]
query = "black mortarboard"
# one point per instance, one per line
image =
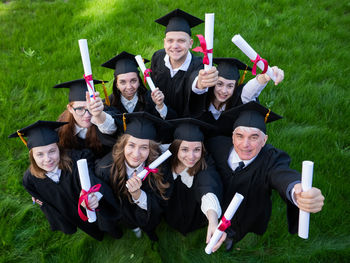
(228, 68)
(178, 20)
(252, 115)
(142, 125)
(122, 63)
(40, 133)
(189, 129)
(77, 88)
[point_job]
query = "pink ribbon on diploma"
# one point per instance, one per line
(149, 170)
(224, 224)
(146, 74)
(203, 49)
(85, 197)
(257, 59)
(88, 78)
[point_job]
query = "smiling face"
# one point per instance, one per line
(189, 153)
(128, 84)
(248, 142)
(46, 157)
(136, 151)
(223, 90)
(83, 121)
(176, 45)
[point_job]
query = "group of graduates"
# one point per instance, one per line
(210, 121)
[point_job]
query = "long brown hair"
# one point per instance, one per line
(67, 138)
(199, 166)
(118, 169)
(65, 164)
(229, 102)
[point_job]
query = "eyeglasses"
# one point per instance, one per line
(80, 111)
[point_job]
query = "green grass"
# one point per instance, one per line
(308, 39)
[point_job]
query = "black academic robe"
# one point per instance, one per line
(178, 89)
(132, 215)
(269, 170)
(60, 201)
(183, 212)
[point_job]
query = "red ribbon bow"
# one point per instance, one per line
(146, 74)
(149, 170)
(88, 78)
(85, 197)
(203, 49)
(224, 224)
(257, 59)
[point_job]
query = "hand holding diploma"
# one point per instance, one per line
(253, 56)
(145, 72)
(84, 52)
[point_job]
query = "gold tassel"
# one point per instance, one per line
(267, 116)
(245, 72)
(124, 123)
(108, 103)
(21, 137)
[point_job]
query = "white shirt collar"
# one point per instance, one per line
(54, 175)
(129, 105)
(81, 132)
(184, 66)
(186, 179)
(130, 171)
(216, 113)
(233, 160)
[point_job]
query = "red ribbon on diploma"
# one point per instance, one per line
(224, 224)
(88, 78)
(203, 49)
(149, 170)
(146, 74)
(85, 197)
(257, 59)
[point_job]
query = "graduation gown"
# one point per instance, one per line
(178, 89)
(60, 201)
(183, 212)
(132, 215)
(269, 170)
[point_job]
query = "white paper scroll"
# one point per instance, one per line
(306, 184)
(85, 184)
(154, 164)
(250, 52)
(229, 213)
(84, 51)
(143, 69)
(209, 37)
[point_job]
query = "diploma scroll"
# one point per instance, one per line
(143, 69)
(84, 52)
(250, 52)
(209, 37)
(85, 185)
(229, 213)
(306, 184)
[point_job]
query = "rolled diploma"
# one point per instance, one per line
(84, 52)
(143, 69)
(229, 213)
(209, 37)
(250, 52)
(306, 184)
(154, 164)
(85, 184)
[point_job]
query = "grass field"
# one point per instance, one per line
(309, 40)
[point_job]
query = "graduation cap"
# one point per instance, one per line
(122, 63)
(40, 133)
(77, 88)
(142, 125)
(252, 115)
(178, 20)
(228, 68)
(190, 129)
